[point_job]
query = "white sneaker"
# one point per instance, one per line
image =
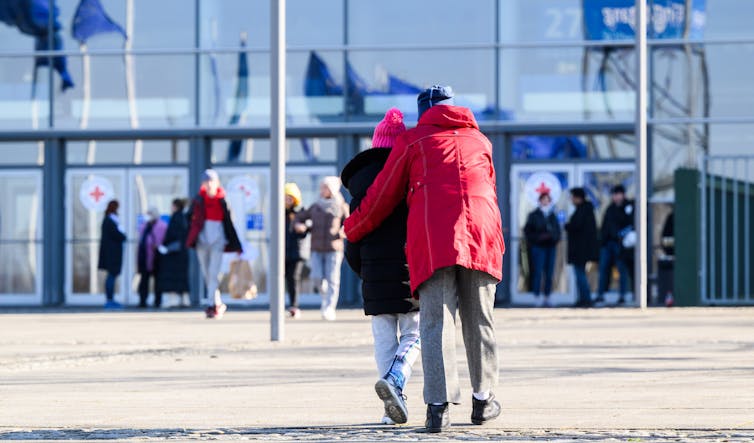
(328, 315)
(387, 420)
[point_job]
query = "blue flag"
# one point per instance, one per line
(91, 19)
(318, 81)
(241, 101)
(396, 85)
(31, 18)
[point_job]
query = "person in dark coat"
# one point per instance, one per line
(617, 218)
(211, 233)
(294, 249)
(111, 252)
(380, 260)
(151, 236)
(174, 260)
(582, 243)
(542, 232)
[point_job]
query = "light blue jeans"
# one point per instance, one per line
(396, 345)
(326, 274)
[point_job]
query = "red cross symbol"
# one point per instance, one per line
(543, 189)
(97, 194)
(244, 190)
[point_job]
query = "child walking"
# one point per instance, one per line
(380, 260)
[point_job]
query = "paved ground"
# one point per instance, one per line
(567, 375)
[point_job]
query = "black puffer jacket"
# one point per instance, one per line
(616, 219)
(380, 257)
(583, 246)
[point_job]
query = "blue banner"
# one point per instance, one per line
(616, 19)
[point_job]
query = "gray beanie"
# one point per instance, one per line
(210, 175)
(435, 95)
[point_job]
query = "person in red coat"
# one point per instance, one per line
(454, 245)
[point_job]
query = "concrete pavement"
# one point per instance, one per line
(566, 375)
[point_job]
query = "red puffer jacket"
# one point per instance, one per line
(443, 168)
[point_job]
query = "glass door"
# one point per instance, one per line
(21, 237)
(527, 183)
(88, 192)
(148, 187)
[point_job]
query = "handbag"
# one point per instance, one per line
(241, 280)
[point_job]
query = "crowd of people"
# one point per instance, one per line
(423, 231)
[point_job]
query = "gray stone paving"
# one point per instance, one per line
(566, 375)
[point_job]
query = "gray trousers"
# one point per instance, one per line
(209, 250)
(472, 294)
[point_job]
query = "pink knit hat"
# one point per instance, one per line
(388, 129)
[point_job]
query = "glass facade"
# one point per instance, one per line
(176, 65)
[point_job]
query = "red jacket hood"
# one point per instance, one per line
(447, 116)
(220, 192)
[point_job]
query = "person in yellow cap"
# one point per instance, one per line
(294, 251)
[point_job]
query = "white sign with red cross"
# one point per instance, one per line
(542, 183)
(245, 188)
(96, 192)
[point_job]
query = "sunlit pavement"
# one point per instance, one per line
(566, 375)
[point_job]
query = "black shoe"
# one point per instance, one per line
(395, 401)
(621, 301)
(583, 304)
(438, 418)
(484, 410)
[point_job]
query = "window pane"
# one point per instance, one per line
(17, 109)
(258, 150)
(545, 84)
(128, 152)
(149, 24)
(18, 267)
(163, 93)
(541, 20)
(426, 22)
(22, 153)
(322, 100)
(570, 146)
(474, 87)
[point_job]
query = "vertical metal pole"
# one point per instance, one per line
(747, 230)
(723, 231)
(50, 62)
(53, 238)
(735, 225)
(713, 230)
(277, 146)
(197, 64)
(703, 235)
(640, 212)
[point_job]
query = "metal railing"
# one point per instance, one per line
(727, 241)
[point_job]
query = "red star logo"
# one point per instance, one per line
(97, 194)
(543, 189)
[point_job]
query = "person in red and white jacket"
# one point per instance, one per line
(443, 168)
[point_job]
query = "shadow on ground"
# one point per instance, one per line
(382, 433)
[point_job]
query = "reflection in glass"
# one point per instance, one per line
(162, 93)
(20, 225)
(129, 152)
(258, 150)
(22, 153)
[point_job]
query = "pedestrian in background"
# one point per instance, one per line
(583, 246)
(174, 260)
(542, 231)
(294, 249)
(110, 260)
(617, 218)
(443, 168)
(212, 233)
(380, 261)
(151, 235)
(324, 221)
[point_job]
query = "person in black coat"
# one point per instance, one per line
(174, 259)
(380, 260)
(111, 252)
(294, 249)
(542, 232)
(618, 217)
(582, 243)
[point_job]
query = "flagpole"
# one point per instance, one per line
(277, 148)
